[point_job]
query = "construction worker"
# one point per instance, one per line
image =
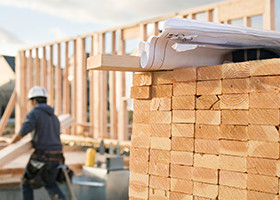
(41, 169)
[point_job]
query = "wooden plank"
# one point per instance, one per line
(235, 86)
(236, 148)
(263, 133)
(265, 84)
(207, 146)
(37, 68)
(236, 70)
(183, 116)
(141, 92)
(233, 163)
(139, 179)
(8, 111)
(81, 83)
(181, 89)
(237, 117)
(185, 74)
(155, 194)
(234, 132)
(160, 156)
(209, 87)
(165, 77)
(160, 130)
(262, 166)
(182, 144)
(205, 175)
(18, 89)
(160, 143)
(139, 154)
(232, 193)
(139, 192)
(234, 101)
(141, 129)
(205, 190)
(183, 130)
(163, 104)
(66, 87)
(113, 105)
(252, 195)
(50, 78)
(264, 116)
(58, 83)
(264, 67)
(206, 161)
(44, 68)
(115, 63)
(263, 149)
(142, 79)
(182, 158)
(233, 179)
(183, 102)
(211, 117)
(181, 171)
(207, 131)
(182, 186)
(269, 15)
(74, 87)
(262, 183)
(208, 102)
(13, 151)
(265, 100)
(159, 182)
(209, 73)
(162, 91)
(180, 196)
(159, 169)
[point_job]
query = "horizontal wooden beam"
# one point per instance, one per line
(114, 63)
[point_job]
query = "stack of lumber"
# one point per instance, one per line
(206, 133)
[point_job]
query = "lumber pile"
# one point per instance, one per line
(206, 133)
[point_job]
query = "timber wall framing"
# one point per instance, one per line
(207, 133)
(49, 64)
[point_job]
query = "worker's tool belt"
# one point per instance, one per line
(43, 155)
(35, 174)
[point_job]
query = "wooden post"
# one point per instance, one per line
(30, 75)
(143, 32)
(210, 17)
(8, 111)
(156, 29)
(51, 78)
(103, 95)
(74, 88)
(269, 15)
(96, 92)
(112, 95)
(44, 69)
(91, 92)
(37, 68)
(66, 98)
(24, 99)
(81, 84)
(19, 89)
(247, 21)
(122, 115)
(58, 91)
(66, 87)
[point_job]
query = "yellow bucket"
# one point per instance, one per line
(90, 159)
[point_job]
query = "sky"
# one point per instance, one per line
(25, 23)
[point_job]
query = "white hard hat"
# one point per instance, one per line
(37, 91)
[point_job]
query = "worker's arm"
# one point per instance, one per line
(15, 138)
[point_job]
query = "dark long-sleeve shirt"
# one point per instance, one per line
(42, 120)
